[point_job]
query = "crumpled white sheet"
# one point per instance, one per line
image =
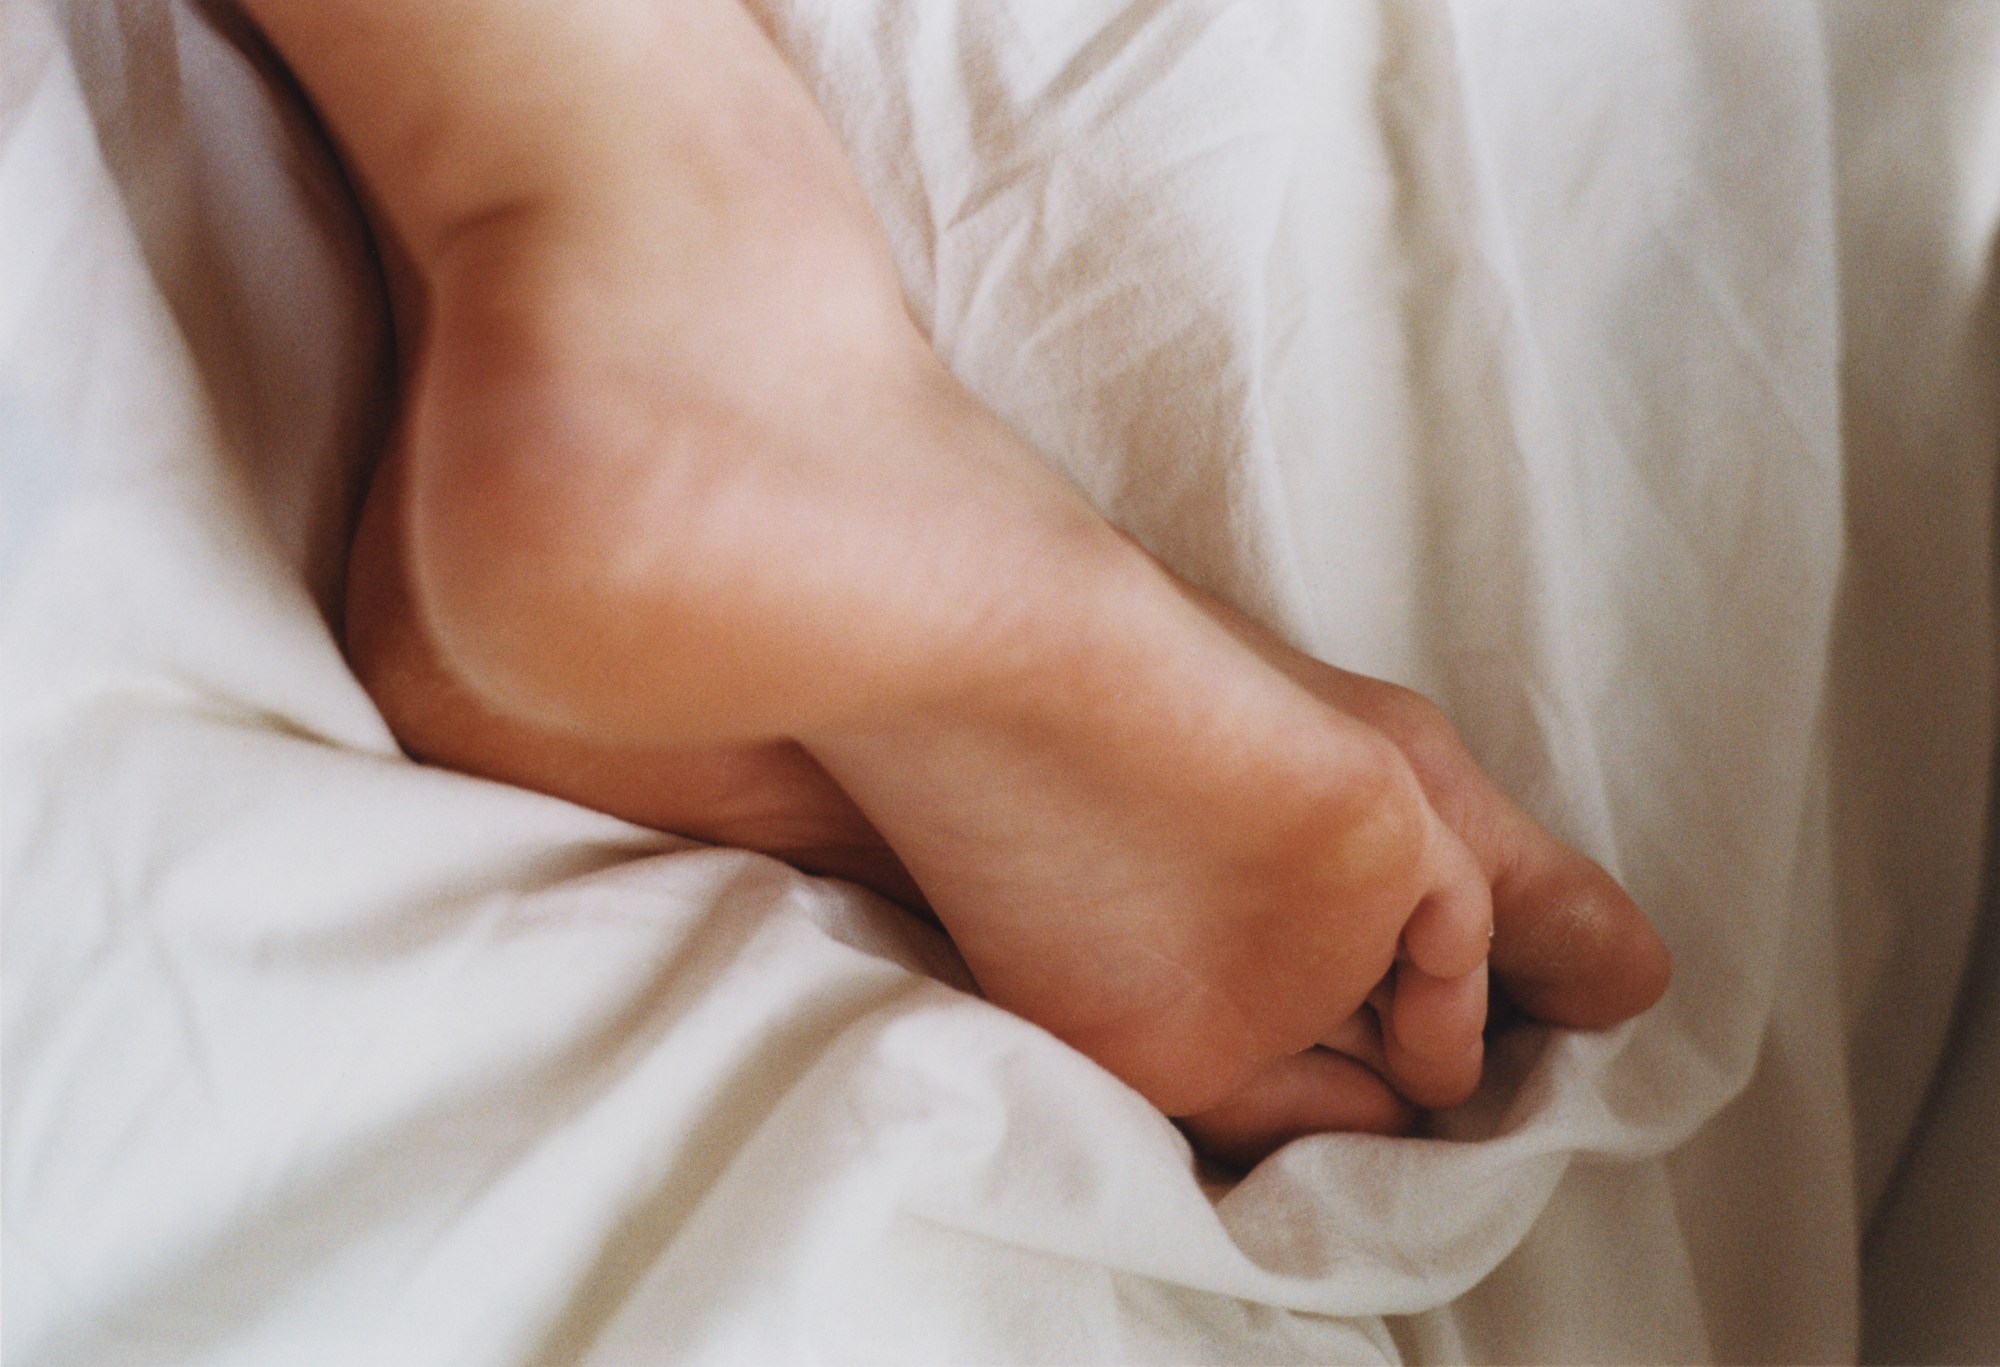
(1497, 349)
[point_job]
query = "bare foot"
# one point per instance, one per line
(686, 522)
(1139, 834)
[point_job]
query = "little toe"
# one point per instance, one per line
(1315, 1092)
(1359, 1037)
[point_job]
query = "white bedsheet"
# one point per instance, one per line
(1622, 377)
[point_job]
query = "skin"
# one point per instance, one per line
(684, 520)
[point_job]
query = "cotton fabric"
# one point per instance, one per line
(1623, 378)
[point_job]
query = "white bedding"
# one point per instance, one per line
(1625, 378)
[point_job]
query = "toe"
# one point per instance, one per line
(1433, 1044)
(1360, 1038)
(1452, 928)
(1315, 1092)
(1436, 1018)
(1572, 947)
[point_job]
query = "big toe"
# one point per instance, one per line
(1571, 947)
